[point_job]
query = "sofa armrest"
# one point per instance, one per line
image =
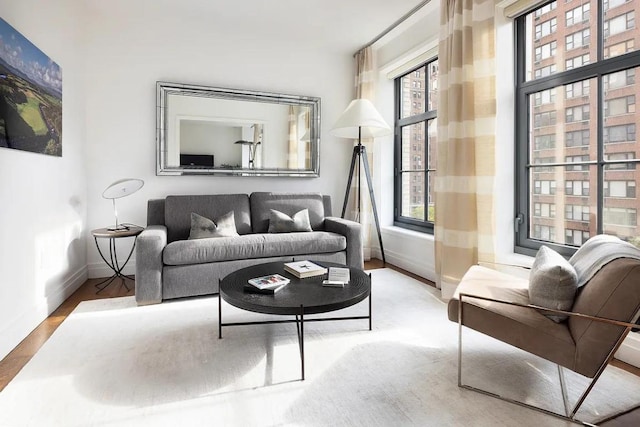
(353, 232)
(149, 246)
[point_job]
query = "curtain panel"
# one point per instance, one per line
(365, 88)
(292, 153)
(464, 220)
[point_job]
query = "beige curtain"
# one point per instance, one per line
(365, 88)
(307, 142)
(464, 222)
(292, 155)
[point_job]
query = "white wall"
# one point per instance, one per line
(43, 198)
(410, 250)
(128, 52)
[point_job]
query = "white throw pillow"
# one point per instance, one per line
(552, 283)
(282, 223)
(203, 228)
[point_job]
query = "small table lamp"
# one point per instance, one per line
(118, 189)
(361, 119)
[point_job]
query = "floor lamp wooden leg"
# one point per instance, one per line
(365, 162)
(354, 158)
(360, 151)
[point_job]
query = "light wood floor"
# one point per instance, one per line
(20, 356)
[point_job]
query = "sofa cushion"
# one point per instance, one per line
(288, 203)
(203, 228)
(198, 251)
(177, 212)
(282, 223)
(552, 283)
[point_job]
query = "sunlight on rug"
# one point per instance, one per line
(113, 363)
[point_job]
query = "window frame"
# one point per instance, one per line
(525, 242)
(423, 226)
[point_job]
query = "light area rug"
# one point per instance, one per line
(111, 363)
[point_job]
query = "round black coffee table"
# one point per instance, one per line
(299, 298)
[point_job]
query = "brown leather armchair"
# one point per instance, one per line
(604, 311)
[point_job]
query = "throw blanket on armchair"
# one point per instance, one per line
(597, 252)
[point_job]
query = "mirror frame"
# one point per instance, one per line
(164, 89)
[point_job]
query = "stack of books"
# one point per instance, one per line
(338, 277)
(266, 284)
(303, 269)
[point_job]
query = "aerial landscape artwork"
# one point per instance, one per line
(30, 96)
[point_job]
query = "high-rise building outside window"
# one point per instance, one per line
(577, 149)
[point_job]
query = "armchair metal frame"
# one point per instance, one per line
(570, 413)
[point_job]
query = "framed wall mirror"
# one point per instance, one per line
(202, 130)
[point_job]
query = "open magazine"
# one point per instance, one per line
(270, 281)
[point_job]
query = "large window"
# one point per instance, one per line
(416, 143)
(576, 123)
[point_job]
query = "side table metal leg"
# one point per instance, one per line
(114, 265)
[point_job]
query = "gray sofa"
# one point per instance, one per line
(168, 265)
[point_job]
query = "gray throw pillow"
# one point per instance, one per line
(552, 283)
(282, 223)
(202, 228)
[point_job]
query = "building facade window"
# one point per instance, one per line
(577, 61)
(619, 24)
(544, 210)
(577, 138)
(544, 119)
(621, 189)
(619, 133)
(610, 4)
(576, 188)
(575, 90)
(546, 51)
(576, 213)
(578, 39)
(579, 166)
(545, 71)
(545, 97)
(575, 237)
(621, 158)
(577, 15)
(416, 97)
(619, 79)
(578, 151)
(546, 28)
(545, 142)
(578, 114)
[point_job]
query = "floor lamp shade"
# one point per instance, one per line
(360, 114)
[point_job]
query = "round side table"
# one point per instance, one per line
(113, 235)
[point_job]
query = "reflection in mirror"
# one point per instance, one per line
(205, 130)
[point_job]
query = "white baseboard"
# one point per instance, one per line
(69, 286)
(21, 326)
(413, 265)
(629, 351)
(100, 269)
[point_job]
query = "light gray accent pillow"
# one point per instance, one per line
(203, 228)
(553, 283)
(282, 223)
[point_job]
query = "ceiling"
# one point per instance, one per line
(341, 26)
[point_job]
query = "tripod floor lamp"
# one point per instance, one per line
(361, 120)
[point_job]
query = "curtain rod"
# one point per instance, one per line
(394, 25)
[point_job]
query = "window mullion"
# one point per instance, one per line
(600, 153)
